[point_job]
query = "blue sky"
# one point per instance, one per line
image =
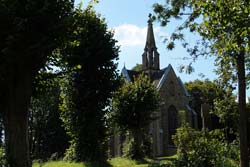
(128, 18)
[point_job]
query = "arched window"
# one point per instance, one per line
(172, 123)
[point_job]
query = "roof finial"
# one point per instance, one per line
(150, 18)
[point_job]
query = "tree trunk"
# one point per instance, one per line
(248, 132)
(16, 119)
(138, 152)
(1, 129)
(242, 110)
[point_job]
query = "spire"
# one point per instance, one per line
(150, 42)
(150, 57)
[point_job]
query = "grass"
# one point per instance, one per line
(58, 164)
(114, 162)
(123, 162)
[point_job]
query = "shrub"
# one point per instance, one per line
(128, 147)
(201, 148)
(2, 157)
(70, 153)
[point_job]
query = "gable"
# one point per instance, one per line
(171, 84)
(125, 74)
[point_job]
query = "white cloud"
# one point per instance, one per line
(132, 35)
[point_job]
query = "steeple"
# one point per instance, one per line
(150, 57)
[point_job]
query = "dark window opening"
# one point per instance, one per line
(172, 123)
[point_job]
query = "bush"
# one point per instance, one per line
(202, 148)
(2, 157)
(128, 148)
(70, 153)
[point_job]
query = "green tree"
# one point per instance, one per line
(47, 134)
(134, 105)
(223, 108)
(29, 32)
(224, 28)
(204, 92)
(87, 90)
(137, 67)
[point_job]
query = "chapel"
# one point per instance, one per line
(174, 97)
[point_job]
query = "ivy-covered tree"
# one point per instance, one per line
(92, 77)
(224, 28)
(29, 32)
(134, 105)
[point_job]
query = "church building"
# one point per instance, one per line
(174, 97)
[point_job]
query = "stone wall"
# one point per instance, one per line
(172, 95)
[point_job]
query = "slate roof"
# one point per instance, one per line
(159, 77)
(183, 87)
(164, 76)
(130, 74)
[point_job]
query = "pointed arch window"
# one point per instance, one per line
(172, 123)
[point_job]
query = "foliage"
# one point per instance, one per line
(25, 39)
(88, 85)
(201, 148)
(138, 67)
(210, 92)
(1, 129)
(224, 28)
(182, 117)
(46, 130)
(223, 108)
(134, 105)
(204, 92)
(27, 42)
(216, 22)
(29, 32)
(129, 146)
(70, 153)
(227, 110)
(2, 156)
